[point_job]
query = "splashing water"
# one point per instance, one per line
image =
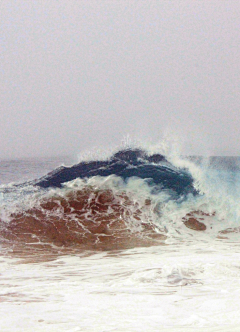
(136, 241)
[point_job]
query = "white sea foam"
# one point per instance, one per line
(145, 289)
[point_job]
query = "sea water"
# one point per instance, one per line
(187, 280)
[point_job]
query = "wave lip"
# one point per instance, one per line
(126, 164)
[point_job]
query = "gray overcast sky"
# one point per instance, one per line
(82, 74)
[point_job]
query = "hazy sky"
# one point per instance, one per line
(83, 74)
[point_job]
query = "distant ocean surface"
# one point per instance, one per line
(132, 241)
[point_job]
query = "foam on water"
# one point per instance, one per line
(193, 287)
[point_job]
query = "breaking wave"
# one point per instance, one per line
(131, 199)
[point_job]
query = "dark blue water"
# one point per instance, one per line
(126, 164)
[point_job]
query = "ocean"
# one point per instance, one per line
(131, 241)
